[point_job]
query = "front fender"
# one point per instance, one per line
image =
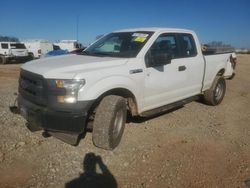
(92, 92)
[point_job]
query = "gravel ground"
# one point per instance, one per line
(194, 146)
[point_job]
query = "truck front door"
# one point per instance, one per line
(176, 79)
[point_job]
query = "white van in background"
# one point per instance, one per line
(13, 51)
(37, 48)
(70, 45)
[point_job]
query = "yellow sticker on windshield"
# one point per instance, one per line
(140, 39)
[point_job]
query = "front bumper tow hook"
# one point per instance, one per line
(14, 108)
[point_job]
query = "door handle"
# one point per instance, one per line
(182, 68)
(134, 71)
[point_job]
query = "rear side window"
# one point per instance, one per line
(188, 48)
(4, 46)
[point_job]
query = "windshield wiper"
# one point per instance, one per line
(85, 53)
(99, 54)
(102, 54)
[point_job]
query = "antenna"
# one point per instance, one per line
(77, 22)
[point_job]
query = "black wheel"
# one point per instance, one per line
(216, 93)
(2, 60)
(109, 122)
(31, 56)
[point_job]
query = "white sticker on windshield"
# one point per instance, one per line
(139, 37)
(144, 35)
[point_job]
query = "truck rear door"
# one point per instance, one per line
(179, 79)
(18, 49)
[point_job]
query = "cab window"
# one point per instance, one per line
(4, 45)
(162, 50)
(17, 46)
(187, 44)
(166, 43)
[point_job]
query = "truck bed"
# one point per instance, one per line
(220, 61)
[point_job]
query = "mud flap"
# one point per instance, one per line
(72, 139)
(33, 127)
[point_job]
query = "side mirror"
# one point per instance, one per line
(157, 58)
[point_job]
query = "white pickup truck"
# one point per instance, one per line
(136, 71)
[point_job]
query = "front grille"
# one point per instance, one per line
(33, 87)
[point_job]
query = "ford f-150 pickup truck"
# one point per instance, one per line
(137, 71)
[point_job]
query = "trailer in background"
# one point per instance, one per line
(38, 48)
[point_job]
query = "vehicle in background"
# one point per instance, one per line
(56, 47)
(69, 45)
(56, 53)
(13, 51)
(59, 51)
(38, 48)
(78, 51)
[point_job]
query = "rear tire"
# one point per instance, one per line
(30, 57)
(2, 60)
(109, 122)
(216, 93)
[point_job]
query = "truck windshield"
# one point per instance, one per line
(17, 46)
(121, 44)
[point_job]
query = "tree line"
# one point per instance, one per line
(8, 39)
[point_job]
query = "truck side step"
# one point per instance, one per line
(168, 107)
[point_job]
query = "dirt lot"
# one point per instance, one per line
(194, 146)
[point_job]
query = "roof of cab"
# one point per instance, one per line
(155, 29)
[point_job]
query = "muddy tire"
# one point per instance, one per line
(109, 122)
(2, 60)
(216, 93)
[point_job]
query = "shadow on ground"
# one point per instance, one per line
(90, 178)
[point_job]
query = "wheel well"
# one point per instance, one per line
(128, 95)
(221, 72)
(31, 54)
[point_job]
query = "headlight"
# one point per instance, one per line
(70, 88)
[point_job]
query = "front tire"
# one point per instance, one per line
(216, 93)
(109, 122)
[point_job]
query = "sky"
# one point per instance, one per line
(213, 20)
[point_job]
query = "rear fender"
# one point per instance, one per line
(209, 78)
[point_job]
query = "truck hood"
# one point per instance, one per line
(67, 66)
